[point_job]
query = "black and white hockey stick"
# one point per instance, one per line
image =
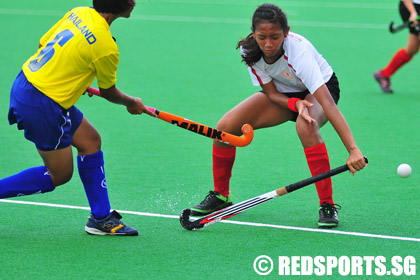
(235, 209)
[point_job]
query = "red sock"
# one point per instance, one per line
(223, 160)
(318, 162)
(399, 59)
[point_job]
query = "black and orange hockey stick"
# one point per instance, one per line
(224, 137)
(235, 209)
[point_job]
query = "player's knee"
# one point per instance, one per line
(58, 181)
(306, 130)
(90, 145)
(222, 124)
(96, 142)
(412, 51)
(225, 124)
(60, 178)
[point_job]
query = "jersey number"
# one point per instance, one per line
(47, 53)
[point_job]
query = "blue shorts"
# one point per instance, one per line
(44, 122)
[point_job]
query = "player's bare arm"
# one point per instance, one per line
(355, 161)
(134, 105)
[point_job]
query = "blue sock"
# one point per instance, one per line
(30, 181)
(92, 174)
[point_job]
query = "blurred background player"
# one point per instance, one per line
(409, 10)
(297, 85)
(75, 50)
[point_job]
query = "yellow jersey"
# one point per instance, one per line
(73, 52)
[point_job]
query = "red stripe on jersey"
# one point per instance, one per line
(288, 64)
(256, 75)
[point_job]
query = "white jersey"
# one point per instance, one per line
(300, 68)
(416, 1)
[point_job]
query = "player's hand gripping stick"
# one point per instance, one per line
(402, 26)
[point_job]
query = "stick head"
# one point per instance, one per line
(248, 132)
(391, 27)
(247, 128)
(184, 219)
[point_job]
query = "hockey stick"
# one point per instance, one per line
(224, 137)
(235, 209)
(400, 27)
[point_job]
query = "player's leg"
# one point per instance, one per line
(402, 56)
(318, 161)
(413, 44)
(259, 112)
(59, 164)
(90, 162)
(57, 170)
(44, 127)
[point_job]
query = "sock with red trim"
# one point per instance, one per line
(399, 59)
(223, 159)
(318, 162)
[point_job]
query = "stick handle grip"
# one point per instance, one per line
(298, 185)
(93, 91)
(154, 110)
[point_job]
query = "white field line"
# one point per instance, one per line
(188, 19)
(358, 234)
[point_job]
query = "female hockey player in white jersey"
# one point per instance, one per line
(297, 85)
